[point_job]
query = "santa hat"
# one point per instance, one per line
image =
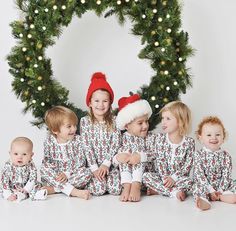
(98, 81)
(131, 108)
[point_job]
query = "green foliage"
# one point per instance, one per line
(156, 22)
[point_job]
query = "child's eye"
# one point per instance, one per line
(24, 154)
(15, 153)
(209, 135)
(218, 134)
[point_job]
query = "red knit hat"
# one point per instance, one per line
(131, 108)
(98, 81)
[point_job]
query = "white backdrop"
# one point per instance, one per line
(96, 44)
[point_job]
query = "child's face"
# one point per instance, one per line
(67, 132)
(212, 136)
(100, 103)
(21, 153)
(139, 126)
(169, 122)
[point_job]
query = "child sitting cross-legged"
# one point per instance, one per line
(63, 166)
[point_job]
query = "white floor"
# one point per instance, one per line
(61, 213)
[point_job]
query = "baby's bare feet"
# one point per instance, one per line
(202, 204)
(135, 192)
(125, 192)
(151, 192)
(83, 194)
(181, 195)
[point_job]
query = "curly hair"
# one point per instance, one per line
(214, 120)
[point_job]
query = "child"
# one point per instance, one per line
(19, 175)
(133, 117)
(101, 139)
(174, 154)
(212, 166)
(63, 166)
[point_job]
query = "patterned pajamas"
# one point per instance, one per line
(174, 160)
(14, 178)
(65, 158)
(134, 144)
(100, 146)
(212, 173)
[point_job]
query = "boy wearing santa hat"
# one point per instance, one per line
(137, 145)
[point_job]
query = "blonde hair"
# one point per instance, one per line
(55, 117)
(214, 120)
(24, 140)
(108, 117)
(182, 114)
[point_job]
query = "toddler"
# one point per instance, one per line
(212, 166)
(174, 154)
(63, 166)
(133, 117)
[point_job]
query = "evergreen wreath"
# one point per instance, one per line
(157, 22)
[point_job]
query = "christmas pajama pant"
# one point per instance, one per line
(111, 184)
(153, 181)
(201, 190)
(131, 173)
(79, 179)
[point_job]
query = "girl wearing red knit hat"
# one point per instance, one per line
(101, 139)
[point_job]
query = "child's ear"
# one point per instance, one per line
(32, 154)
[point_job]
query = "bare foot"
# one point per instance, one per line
(50, 189)
(228, 198)
(181, 195)
(83, 194)
(135, 192)
(151, 192)
(125, 192)
(202, 204)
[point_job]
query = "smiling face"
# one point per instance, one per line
(212, 136)
(139, 126)
(169, 122)
(21, 153)
(66, 132)
(100, 104)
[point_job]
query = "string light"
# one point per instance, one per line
(153, 98)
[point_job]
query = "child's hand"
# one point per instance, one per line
(168, 182)
(103, 170)
(62, 178)
(215, 196)
(96, 175)
(13, 197)
(123, 157)
(135, 158)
